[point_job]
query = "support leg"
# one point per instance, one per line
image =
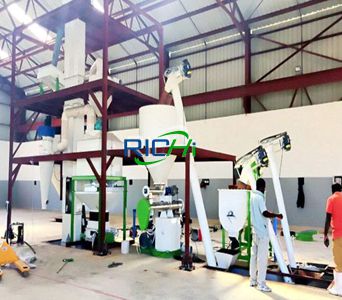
(187, 259)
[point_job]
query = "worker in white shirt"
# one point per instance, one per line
(259, 219)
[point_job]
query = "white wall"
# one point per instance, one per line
(314, 130)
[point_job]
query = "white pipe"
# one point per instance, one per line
(247, 176)
(281, 206)
(195, 186)
(278, 253)
(201, 214)
(86, 110)
(178, 103)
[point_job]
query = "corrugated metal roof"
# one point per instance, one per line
(185, 28)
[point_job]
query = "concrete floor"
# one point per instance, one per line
(140, 277)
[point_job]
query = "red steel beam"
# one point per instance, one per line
(250, 21)
(247, 101)
(234, 58)
(301, 48)
(285, 10)
(231, 13)
(101, 250)
(227, 28)
(283, 46)
(195, 12)
(201, 155)
(296, 48)
(254, 89)
(204, 35)
(265, 87)
(126, 13)
(138, 11)
(138, 33)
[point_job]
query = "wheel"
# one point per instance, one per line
(25, 274)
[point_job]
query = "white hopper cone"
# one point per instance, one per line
(46, 169)
(160, 171)
(156, 120)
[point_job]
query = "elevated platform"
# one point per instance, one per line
(202, 155)
(83, 10)
(124, 99)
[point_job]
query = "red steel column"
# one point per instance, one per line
(11, 141)
(162, 61)
(247, 101)
(102, 223)
(187, 259)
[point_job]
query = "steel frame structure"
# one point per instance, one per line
(232, 9)
(43, 104)
(152, 37)
(202, 155)
(17, 106)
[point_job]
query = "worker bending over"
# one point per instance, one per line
(334, 220)
(259, 257)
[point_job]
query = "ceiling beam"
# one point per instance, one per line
(254, 89)
(249, 22)
(5, 86)
(266, 87)
(123, 13)
(195, 12)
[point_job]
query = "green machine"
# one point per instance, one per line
(82, 217)
(159, 217)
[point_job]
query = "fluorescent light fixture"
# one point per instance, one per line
(133, 64)
(36, 29)
(3, 54)
(187, 48)
(227, 37)
(307, 15)
(97, 5)
(258, 28)
(146, 60)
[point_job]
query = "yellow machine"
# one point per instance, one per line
(8, 256)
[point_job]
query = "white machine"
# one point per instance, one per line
(174, 77)
(233, 204)
(160, 214)
(80, 188)
(174, 117)
(160, 211)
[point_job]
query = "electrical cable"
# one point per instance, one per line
(32, 249)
